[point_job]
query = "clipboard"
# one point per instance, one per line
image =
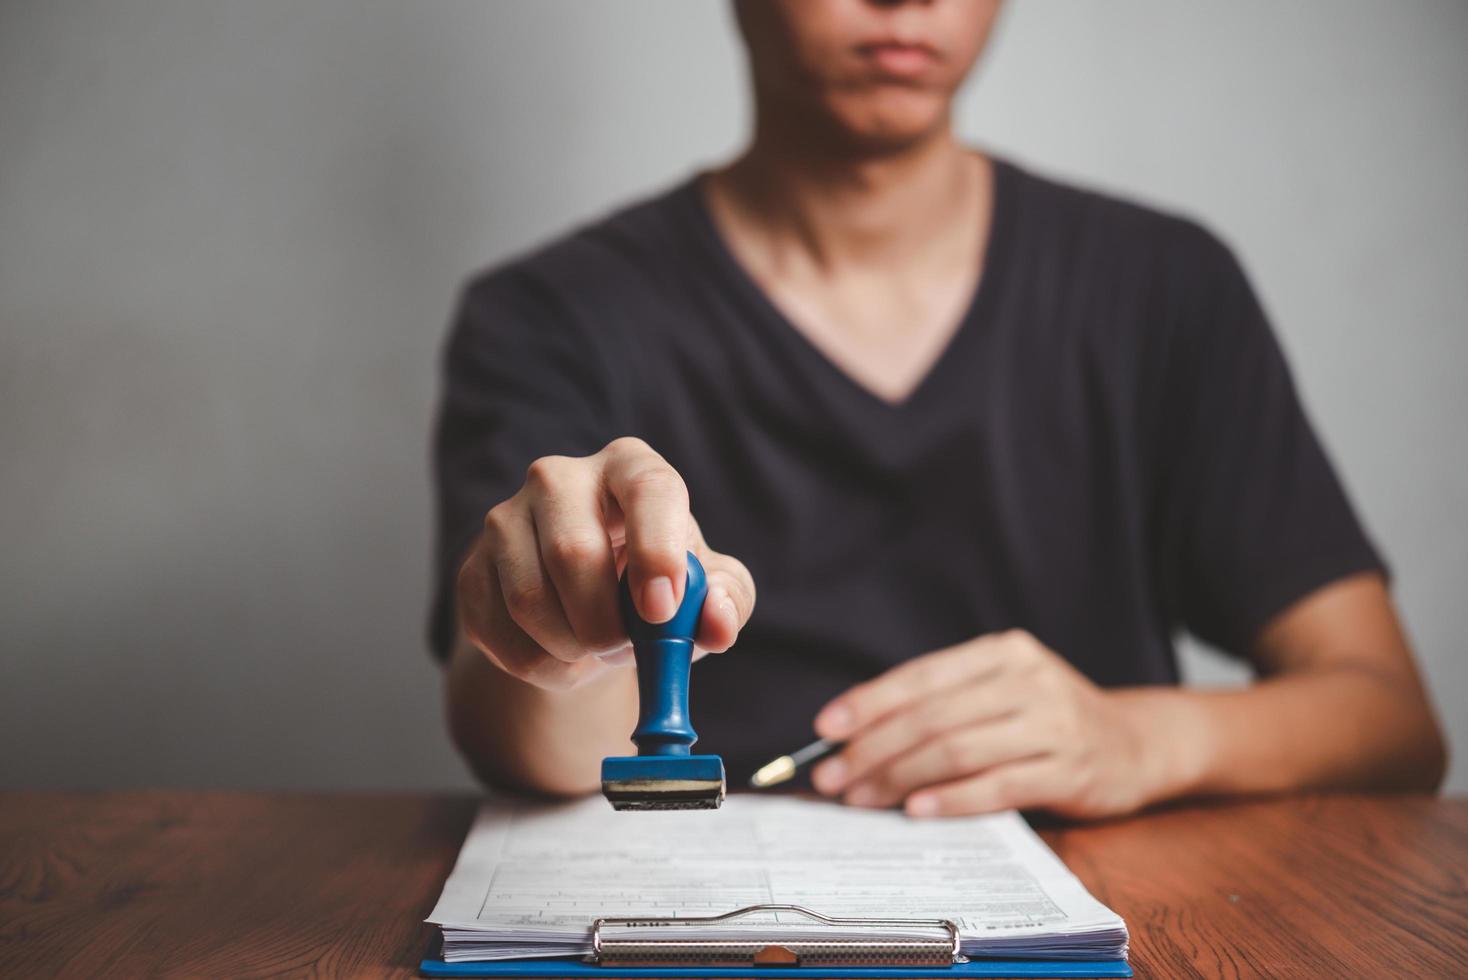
(616, 957)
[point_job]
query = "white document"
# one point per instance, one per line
(531, 878)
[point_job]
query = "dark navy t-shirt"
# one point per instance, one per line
(1109, 450)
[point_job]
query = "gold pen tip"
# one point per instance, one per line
(773, 773)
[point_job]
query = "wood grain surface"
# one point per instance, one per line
(254, 885)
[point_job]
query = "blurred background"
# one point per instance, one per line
(231, 234)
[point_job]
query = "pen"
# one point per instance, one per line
(785, 767)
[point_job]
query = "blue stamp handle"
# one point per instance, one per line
(664, 652)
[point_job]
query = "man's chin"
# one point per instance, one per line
(889, 141)
(891, 124)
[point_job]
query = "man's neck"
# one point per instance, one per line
(857, 210)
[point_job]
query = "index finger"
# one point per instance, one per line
(654, 504)
(916, 680)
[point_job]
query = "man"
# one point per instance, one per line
(984, 441)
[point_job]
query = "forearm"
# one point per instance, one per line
(1344, 726)
(517, 735)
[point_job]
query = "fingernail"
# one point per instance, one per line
(829, 776)
(922, 805)
(862, 796)
(834, 722)
(658, 604)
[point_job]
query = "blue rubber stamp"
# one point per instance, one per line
(663, 775)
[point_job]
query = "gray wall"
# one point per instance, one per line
(230, 235)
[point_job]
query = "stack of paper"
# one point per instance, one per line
(532, 878)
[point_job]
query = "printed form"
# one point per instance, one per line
(532, 877)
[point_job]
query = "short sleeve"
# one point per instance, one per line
(1255, 516)
(520, 380)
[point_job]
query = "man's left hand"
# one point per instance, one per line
(997, 722)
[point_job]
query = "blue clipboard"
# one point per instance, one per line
(545, 969)
(625, 958)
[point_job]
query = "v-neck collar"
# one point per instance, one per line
(981, 302)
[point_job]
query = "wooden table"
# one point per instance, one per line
(249, 884)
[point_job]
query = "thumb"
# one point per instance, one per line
(730, 600)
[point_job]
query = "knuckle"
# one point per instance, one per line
(927, 675)
(941, 719)
(659, 480)
(497, 522)
(574, 549)
(1052, 682)
(1020, 641)
(547, 471)
(954, 753)
(525, 599)
(627, 445)
(1029, 660)
(920, 725)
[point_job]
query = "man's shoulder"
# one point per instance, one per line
(612, 259)
(1085, 220)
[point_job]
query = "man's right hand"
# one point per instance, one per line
(538, 591)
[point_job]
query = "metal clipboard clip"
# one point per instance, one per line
(940, 950)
